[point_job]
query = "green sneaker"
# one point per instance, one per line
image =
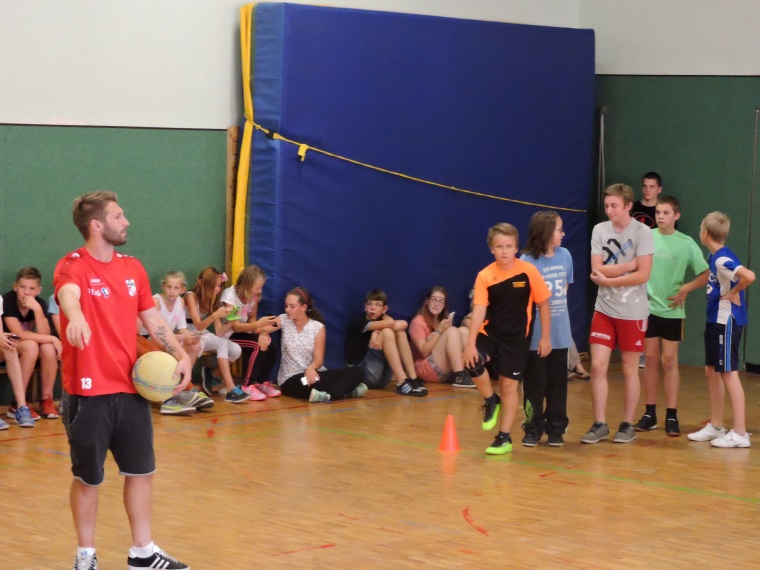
(359, 391)
(173, 407)
(490, 415)
(500, 446)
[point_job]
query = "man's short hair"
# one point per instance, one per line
(652, 176)
(622, 191)
(28, 273)
(716, 225)
(377, 295)
(504, 229)
(90, 207)
(671, 201)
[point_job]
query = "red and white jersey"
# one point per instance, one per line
(112, 295)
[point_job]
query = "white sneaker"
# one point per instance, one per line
(731, 439)
(707, 433)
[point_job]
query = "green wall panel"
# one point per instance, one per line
(698, 133)
(171, 184)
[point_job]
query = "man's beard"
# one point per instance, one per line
(114, 237)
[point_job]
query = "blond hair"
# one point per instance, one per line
(503, 229)
(246, 280)
(622, 191)
(716, 225)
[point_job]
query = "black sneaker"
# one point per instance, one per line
(159, 559)
(646, 423)
(530, 439)
(208, 382)
(490, 414)
(462, 380)
(407, 388)
(500, 446)
(419, 385)
(671, 427)
(555, 440)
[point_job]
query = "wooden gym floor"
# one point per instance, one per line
(361, 484)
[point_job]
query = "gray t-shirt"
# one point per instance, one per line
(635, 240)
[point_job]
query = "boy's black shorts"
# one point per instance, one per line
(510, 354)
(119, 422)
(666, 329)
(722, 346)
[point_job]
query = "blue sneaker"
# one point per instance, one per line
(24, 417)
(3, 425)
(237, 396)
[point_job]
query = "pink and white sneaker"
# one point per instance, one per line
(269, 389)
(253, 392)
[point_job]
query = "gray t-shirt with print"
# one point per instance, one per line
(635, 240)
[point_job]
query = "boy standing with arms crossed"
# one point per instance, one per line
(621, 261)
(674, 253)
(726, 318)
(505, 293)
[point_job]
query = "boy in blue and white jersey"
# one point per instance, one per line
(726, 318)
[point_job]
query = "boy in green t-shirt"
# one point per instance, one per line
(674, 253)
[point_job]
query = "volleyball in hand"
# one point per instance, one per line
(152, 376)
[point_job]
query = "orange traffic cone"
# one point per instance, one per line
(449, 441)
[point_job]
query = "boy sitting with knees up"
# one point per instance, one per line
(378, 344)
(26, 315)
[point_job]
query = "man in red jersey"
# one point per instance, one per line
(100, 293)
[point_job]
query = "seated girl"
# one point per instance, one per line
(252, 333)
(302, 374)
(437, 346)
(202, 309)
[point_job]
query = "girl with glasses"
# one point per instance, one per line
(437, 345)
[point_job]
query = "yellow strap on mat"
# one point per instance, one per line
(239, 241)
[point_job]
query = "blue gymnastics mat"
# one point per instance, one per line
(503, 110)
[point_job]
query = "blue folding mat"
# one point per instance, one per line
(502, 111)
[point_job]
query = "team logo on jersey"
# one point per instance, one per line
(131, 287)
(94, 280)
(73, 255)
(519, 284)
(102, 292)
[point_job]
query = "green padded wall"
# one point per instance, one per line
(171, 184)
(697, 132)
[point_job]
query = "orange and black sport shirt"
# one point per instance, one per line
(509, 296)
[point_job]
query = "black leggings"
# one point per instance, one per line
(546, 378)
(339, 383)
(257, 363)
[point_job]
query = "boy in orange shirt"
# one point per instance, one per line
(505, 293)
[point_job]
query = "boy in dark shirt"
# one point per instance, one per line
(378, 344)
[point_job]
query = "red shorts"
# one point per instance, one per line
(628, 335)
